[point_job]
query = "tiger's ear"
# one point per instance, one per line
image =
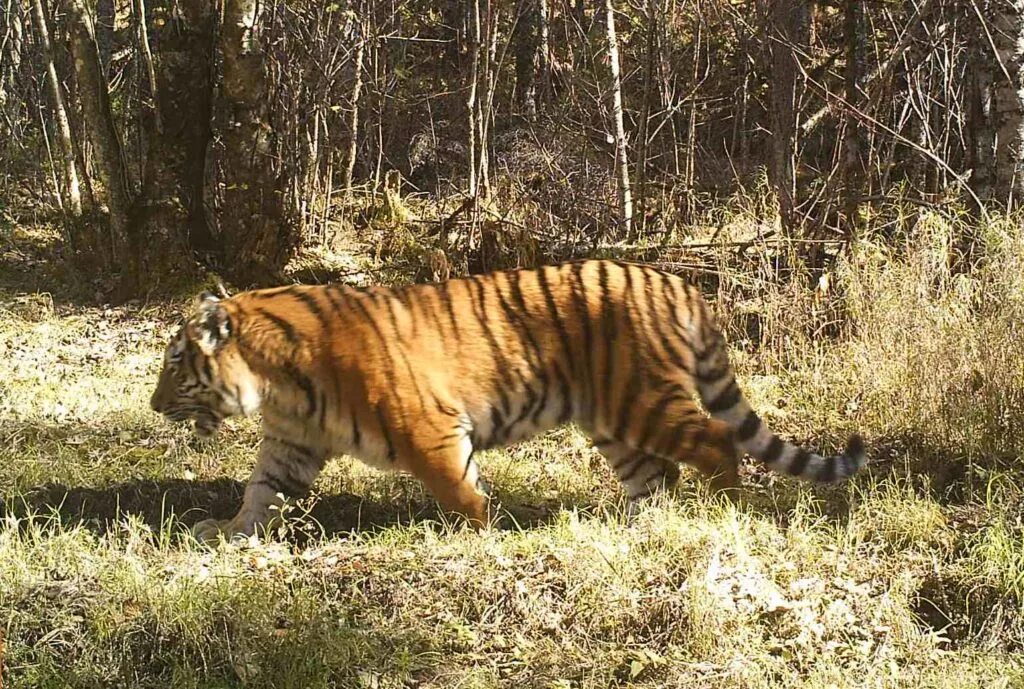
(210, 328)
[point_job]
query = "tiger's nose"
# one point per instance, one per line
(155, 404)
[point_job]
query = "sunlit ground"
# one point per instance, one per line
(910, 576)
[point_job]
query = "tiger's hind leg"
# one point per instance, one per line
(640, 474)
(712, 450)
(674, 430)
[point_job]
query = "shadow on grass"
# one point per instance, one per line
(33, 259)
(36, 260)
(154, 501)
(945, 473)
(907, 460)
(944, 478)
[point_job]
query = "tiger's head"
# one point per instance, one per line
(204, 377)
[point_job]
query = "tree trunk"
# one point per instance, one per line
(353, 118)
(741, 134)
(920, 20)
(11, 45)
(652, 20)
(982, 154)
(1007, 31)
(528, 49)
(377, 105)
(99, 123)
(996, 111)
(621, 154)
(690, 174)
(103, 30)
(789, 24)
(544, 54)
(169, 215)
(258, 238)
(79, 136)
(139, 10)
(1018, 64)
(72, 193)
(471, 96)
(852, 167)
(485, 110)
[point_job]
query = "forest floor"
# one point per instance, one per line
(911, 575)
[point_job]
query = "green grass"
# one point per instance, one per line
(910, 576)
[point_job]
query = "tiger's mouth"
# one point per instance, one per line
(204, 423)
(205, 426)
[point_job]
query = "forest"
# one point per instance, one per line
(842, 179)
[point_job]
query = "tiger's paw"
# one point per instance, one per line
(638, 505)
(635, 506)
(210, 531)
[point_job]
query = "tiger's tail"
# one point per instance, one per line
(716, 384)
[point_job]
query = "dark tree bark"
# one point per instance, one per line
(485, 103)
(789, 25)
(531, 58)
(853, 171)
(103, 30)
(168, 217)
(12, 42)
(982, 153)
(652, 29)
(257, 235)
(1017, 18)
(544, 53)
(116, 252)
(142, 30)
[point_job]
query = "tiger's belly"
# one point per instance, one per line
(374, 463)
(521, 418)
(371, 451)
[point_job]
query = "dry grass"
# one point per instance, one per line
(912, 576)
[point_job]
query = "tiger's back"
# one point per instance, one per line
(417, 378)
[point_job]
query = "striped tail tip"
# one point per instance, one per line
(809, 466)
(840, 467)
(855, 449)
(856, 453)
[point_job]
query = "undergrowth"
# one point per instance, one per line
(911, 575)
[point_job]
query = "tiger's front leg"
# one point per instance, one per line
(284, 470)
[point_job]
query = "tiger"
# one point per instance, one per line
(419, 378)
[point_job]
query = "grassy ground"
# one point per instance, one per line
(910, 576)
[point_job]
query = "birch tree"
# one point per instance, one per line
(72, 196)
(471, 94)
(621, 153)
(257, 236)
(1008, 114)
(353, 117)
